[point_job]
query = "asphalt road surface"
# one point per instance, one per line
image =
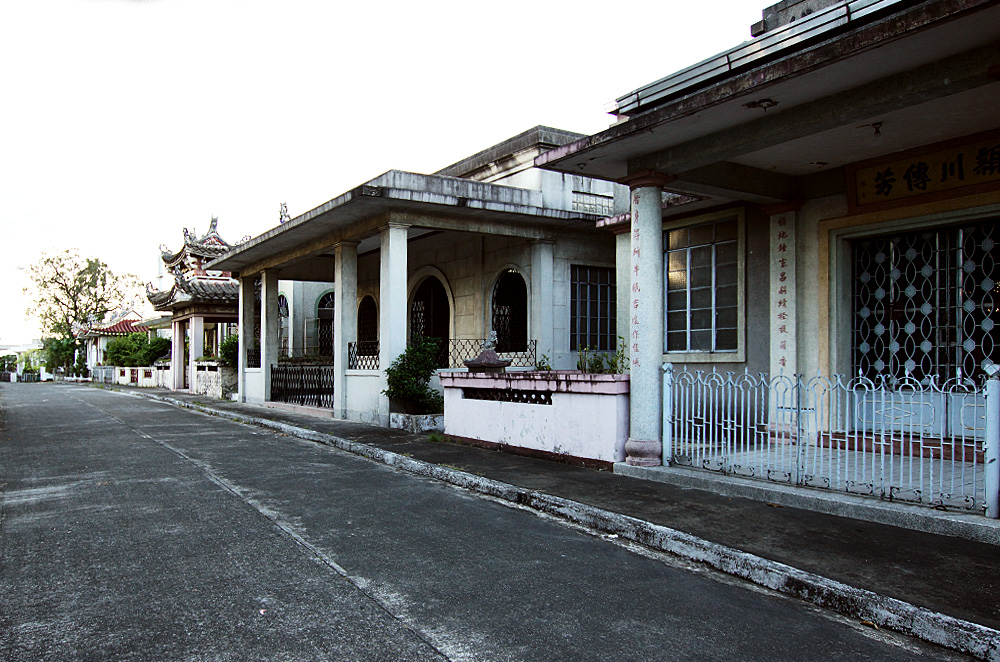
(133, 530)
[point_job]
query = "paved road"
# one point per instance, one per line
(130, 529)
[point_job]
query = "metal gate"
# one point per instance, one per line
(902, 441)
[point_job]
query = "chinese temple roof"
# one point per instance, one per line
(121, 328)
(206, 247)
(195, 290)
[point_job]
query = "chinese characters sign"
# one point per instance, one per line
(782, 311)
(964, 165)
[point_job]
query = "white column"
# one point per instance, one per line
(177, 363)
(542, 274)
(268, 327)
(645, 296)
(196, 348)
(345, 318)
(246, 335)
(392, 303)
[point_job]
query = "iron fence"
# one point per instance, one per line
(903, 441)
(463, 349)
(362, 355)
(104, 374)
(310, 385)
(6, 377)
(253, 357)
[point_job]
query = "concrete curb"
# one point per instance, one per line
(966, 637)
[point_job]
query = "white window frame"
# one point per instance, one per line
(729, 356)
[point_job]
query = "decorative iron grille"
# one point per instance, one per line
(308, 385)
(253, 357)
(593, 308)
(463, 349)
(895, 441)
(362, 355)
(925, 304)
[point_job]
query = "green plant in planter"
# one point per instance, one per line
(229, 351)
(408, 378)
(618, 362)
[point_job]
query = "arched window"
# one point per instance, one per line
(510, 312)
(367, 327)
(430, 316)
(324, 322)
(283, 325)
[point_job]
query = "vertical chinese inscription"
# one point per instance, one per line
(636, 288)
(782, 309)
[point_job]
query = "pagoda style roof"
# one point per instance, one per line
(120, 328)
(186, 291)
(207, 247)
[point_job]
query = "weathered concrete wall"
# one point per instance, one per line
(365, 402)
(587, 418)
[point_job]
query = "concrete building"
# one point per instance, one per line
(821, 199)
(488, 244)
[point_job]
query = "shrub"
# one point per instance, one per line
(408, 378)
(229, 351)
(136, 349)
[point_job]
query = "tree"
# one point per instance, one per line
(72, 292)
(8, 363)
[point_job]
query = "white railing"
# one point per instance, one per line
(905, 441)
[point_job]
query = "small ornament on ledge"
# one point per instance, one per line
(487, 361)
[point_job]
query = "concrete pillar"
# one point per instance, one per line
(623, 283)
(196, 349)
(269, 321)
(177, 363)
(246, 335)
(345, 318)
(392, 302)
(542, 275)
(645, 296)
(784, 324)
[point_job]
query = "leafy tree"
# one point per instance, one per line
(58, 352)
(8, 363)
(70, 291)
(409, 374)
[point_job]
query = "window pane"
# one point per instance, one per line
(677, 301)
(702, 298)
(725, 230)
(726, 340)
(592, 307)
(676, 341)
(677, 239)
(677, 321)
(701, 319)
(726, 296)
(725, 275)
(725, 253)
(726, 318)
(677, 280)
(701, 257)
(701, 341)
(701, 235)
(677, 260)
(701, 277)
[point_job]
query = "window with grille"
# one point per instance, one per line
(510, 312)
(701, 268)
(925, 304)
(324, 323)
(592, 308)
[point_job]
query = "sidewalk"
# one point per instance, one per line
(923, 581)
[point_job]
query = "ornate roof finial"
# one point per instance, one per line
(283, 216)
(213, 224)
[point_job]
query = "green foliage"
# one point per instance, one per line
(229, 351)
(8, 363)
(543, 364)
(409, 374)
(69, 290)
(80, 368)
(58, 352)
(136, 349)
(593, 362)
(29, 362)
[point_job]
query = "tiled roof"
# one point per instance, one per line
(195, 290)
(122, 328)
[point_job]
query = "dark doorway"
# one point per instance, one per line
(430, 316)
(510, 312)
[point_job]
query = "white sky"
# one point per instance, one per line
(122, 122)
